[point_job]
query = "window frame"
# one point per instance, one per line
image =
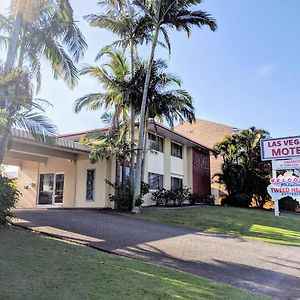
(160, 181)
(180, 156)
(158, 141)
(87, 186)
(180, 179)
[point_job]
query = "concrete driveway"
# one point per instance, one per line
(257, 266)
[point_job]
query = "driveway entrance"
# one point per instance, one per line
(257, 266)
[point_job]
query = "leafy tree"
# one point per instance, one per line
(9, 195)
(163, 14)
(19, 109)
(244, 174)
(122, 19)
(43, 29)
(33, 31)
(166, 99)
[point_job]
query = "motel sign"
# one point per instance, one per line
(281, 148)
(285, 155)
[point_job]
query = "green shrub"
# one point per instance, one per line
(238, 200)
(195, 198)
(9, 195)
(289, 204)
(123, 198)
(177, 197)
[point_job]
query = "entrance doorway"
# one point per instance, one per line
(51, 189)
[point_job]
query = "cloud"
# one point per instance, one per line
(265, 71)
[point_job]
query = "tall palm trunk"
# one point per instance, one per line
(145, 148)
(13, 46)
(4, 139)
(9, 64)
(138, 175)
(21, 56)
(132, 127)
(123, 174)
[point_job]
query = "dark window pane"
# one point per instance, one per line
(90, 182)
(176, 150)
(127, 175)
(46, 189)
(155, 142)
(59, 188)
(176, 183)
(155, 181)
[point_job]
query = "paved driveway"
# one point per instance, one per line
(265, 268)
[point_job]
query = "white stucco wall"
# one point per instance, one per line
(177, 166)
(155, 162)
(100, 186)
(29, 173)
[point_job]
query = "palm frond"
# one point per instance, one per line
(89, 102)
(38, 125)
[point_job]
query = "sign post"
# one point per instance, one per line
(285, 155)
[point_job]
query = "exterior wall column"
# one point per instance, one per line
(167, 163)
(185, 166)
(190, 168)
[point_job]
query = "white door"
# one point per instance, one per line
(51, 189)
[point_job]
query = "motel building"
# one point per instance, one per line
(61, 174)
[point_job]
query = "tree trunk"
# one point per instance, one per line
(21, 56)
(3, 146)
(132, 127)
(123, 166)
(132, 154)
(5, 135)
(145, 149)
(13, 46)
(138, 173)
(9, 64)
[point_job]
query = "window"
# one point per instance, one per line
(176, 183)
(90, 183)
(127, 175)
(176, 150)
(155, 142)
(155, 181)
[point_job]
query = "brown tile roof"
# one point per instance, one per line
(205, 132)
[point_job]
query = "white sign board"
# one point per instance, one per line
(284, 187)
(280, 148)
(287, 164)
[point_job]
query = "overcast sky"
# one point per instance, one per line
(245, 74)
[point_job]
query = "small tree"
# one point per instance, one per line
(9, 195)
(244, 174)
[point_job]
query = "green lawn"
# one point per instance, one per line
(37, 267)
(248, 223)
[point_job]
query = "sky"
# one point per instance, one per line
(247, 73)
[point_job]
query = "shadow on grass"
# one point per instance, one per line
(75, 272)
(275, 284)
(249, 223)
(124, 235)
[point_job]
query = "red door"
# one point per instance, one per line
(201, 173)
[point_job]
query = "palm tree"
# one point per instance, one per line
(33, 31)
(132, 30)
(111, 77)
(163, 14)
(16, 89)
(243, 172)
(43, 29)
(121, 90)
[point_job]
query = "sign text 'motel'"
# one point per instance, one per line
(280, 148)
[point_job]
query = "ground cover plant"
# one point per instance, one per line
(40, 267)
(248, 223)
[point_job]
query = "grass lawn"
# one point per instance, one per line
(248, 223)
(37, 267)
